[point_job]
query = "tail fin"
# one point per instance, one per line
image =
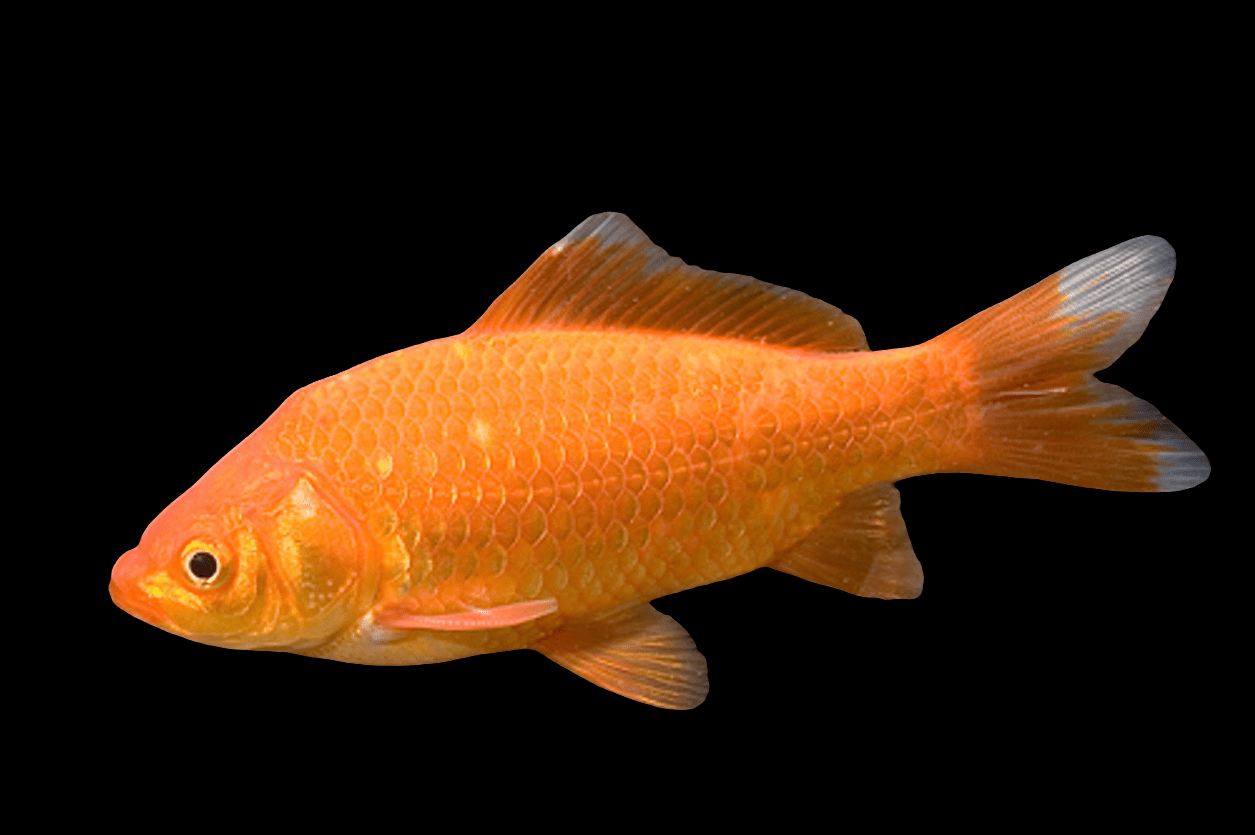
(1042, 414)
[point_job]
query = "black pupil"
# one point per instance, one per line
(203, 565)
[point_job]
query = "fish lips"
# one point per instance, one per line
(124, 589)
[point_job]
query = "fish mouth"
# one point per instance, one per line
(145, 610)
(124, 590)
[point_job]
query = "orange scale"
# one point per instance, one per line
(584, 515)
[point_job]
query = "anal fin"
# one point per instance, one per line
(635, 651)
(861, 547)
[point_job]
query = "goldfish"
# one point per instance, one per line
(620, 426)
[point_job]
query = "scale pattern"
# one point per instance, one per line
(601, 468)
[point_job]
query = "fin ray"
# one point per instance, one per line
(635, 651)
(398, 616)
(861, 547)
(606, 274)
(1031, 359)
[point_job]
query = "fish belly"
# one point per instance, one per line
(601, 469)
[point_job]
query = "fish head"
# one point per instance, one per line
(256, 555)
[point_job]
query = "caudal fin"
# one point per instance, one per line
(1041, 412)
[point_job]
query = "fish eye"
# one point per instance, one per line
(201, 566)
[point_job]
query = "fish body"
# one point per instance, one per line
(620, 426)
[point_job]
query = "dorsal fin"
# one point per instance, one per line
(607, 275)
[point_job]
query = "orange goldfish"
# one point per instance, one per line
(620, 426)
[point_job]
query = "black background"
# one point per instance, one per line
(241, 264)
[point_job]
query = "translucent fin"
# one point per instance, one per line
(861, 547)
(606, 274)
(636, 652)
(396, 616)
(1031, 360)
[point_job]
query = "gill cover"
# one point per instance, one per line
(316, 556)
(253, 556)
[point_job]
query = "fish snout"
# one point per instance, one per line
(126, 590)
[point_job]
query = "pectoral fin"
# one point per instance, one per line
(861, 547)
(636, 652)
(397, 616)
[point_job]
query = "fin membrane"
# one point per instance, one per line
(398, 615)
(861, 547)
(607, 275)
(1031, 361)
(635, 651)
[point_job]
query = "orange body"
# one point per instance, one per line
(621, 426)
(602, 468)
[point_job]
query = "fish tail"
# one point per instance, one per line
(1039, 412)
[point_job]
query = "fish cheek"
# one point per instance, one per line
(315, 550)
(230, 608)
(241, 591)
